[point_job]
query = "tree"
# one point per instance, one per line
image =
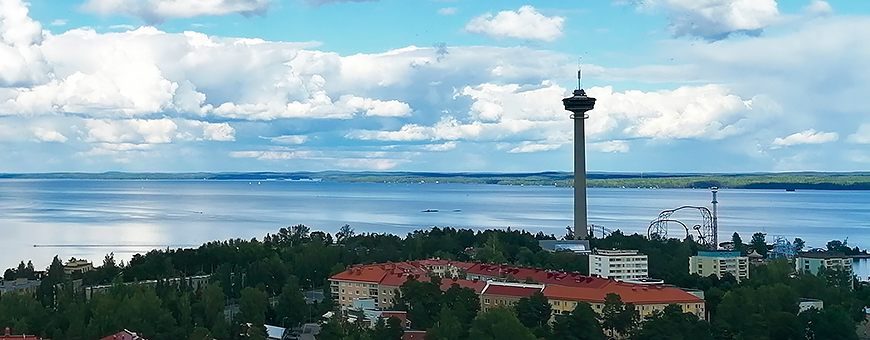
(447, 327)
(290, 310)
(738, 243)
(253, 304)
(389, 329)
(344, 233)
(672, 323)
(581, 324)
(492, 251)
(799, 244)
(498, 324)
(759, 243)
(618, 317)
(534, 311)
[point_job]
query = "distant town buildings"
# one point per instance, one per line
(805, 304)
(7, 335)
(503, 285)
(812, 262)
(75, 266)
(620, 265)
(575, 246)
(19, 286)
(124, 335)
(719, 263)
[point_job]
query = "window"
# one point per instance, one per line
(486, 301)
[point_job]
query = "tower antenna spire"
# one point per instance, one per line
(579, 73)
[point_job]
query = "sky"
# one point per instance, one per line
(433, 85)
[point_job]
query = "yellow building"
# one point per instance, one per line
(646, 299)
(77, 266)
(719, 263)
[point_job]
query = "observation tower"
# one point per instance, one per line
(579, 104)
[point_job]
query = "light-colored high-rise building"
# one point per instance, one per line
(813, 262)
(718, 263)
(620, 265)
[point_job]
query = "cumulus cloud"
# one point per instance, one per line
(614, 146)
(288, 139)
(805, 137)
(440, 147)
(862, 136)
(818, 8)
(46, 135)
(526, 23)
(157, 11)
(716, 19)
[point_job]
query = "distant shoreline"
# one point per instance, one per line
(774, 181)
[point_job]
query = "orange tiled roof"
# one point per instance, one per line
(630, 293)
(539, 275)
(367, 273)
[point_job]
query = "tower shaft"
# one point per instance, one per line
(580, 218)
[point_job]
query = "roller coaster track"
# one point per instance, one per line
(706, 232)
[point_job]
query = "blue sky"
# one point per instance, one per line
(288, 85)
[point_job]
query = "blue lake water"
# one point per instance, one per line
(90, 218)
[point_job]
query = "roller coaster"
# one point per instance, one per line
(705, 233)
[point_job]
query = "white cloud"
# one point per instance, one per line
(526, 147)
(221, 132)
(440, 147)
(21, 61)
(862, 136)
(526, 23)
(157, 11)
(716, 19)
(59, 22)
(704, 112)
(448, 11)
(151, 131)
(805, 137)
(289, 139)
(46, 135)
(818, 8)
(123, 27)
(614, 146)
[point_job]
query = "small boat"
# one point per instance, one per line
(457, 210)
(430, 210)
(789, 189)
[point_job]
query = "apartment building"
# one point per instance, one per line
(719, 263)
(646, 298)
(620, 265)
(505, 294)
(812, 262)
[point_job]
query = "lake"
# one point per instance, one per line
(90, 218)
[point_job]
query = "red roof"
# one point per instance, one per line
(630, 293)
(539, 275)
(476, 285)
(124, 335)
(505, 290)
(369, 273)
(8, 336)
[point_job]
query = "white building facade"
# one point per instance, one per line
(620, 265)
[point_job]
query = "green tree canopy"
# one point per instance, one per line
(499, 324)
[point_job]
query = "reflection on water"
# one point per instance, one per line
(125, 217)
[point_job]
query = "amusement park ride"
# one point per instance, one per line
(706, 233)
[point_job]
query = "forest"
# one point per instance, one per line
(261, 282)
